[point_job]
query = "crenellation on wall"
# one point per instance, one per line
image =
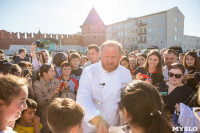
(25, 38)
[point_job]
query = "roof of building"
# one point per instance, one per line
(133, 18)
(93, 18)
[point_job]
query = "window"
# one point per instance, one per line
(125, 33)
(176, 12)
(155, 19)
(149, 29)
(125, 26)
(175, 38)
(132, 39)
(154, 38)
(150, 21)
(176, 20)
(145, 30)
(141, 39)
(155, 28)
(175, 28)
(121, 33)
(145, 21)
(119, 27)
(161, 20)
(122, 26)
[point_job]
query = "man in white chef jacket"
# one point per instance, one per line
(100, 87)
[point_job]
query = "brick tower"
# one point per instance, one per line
(93, 29)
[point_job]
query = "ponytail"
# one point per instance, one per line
(44, 68)
(158, 125)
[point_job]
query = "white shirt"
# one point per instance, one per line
(165, 73)
(8, 130)
(99, 93)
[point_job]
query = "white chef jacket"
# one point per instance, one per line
(99, 93)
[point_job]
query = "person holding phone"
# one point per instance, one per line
(46, 88)
(67, 83)
(43, 57)
(152, 68)
(191, 63)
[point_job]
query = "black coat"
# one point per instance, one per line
(181, 94)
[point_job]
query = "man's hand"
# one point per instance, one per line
(103, 127)
(101, 124)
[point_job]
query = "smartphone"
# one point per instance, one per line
(163, 93)
(61, 86)
(191, 68)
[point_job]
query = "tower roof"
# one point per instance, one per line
(93, 18)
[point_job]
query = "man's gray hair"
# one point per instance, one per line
(112, 43)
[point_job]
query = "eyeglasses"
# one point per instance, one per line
(178, 76)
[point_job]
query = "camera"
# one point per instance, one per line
(39, 44)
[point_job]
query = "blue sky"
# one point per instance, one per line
(66, 16)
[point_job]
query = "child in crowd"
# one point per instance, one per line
(64, 115)
(70, 83)
(14, 92)
(74, 61)
(29, 122)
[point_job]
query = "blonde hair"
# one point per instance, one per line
(112, 43)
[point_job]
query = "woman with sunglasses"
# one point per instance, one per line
(152, 68)
(46, 88)
(191, 63)
(174, 91)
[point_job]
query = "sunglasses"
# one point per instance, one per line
(178, 76)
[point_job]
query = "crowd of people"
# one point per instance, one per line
(151, 92)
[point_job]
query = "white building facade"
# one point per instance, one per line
(163, 29)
